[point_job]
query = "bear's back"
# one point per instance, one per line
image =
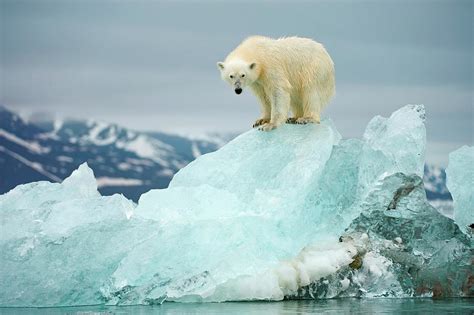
(285, 47)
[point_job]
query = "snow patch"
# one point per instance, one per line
(34, 165)
(118, 181)
(63, 158)
(149, 148)
(97, 129)
(32, 146)
(196, 152)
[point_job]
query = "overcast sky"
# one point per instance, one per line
(152, 65)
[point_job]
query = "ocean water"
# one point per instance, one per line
(330, 306)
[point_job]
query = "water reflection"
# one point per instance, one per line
(333, 306)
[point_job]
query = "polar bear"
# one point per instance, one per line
(287, 73)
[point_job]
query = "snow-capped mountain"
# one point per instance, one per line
(434, 179)
(435, 183)
(124, 161)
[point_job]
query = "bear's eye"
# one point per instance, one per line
(231, 76)
(243, 75)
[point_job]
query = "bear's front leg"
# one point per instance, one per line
(265, 105)
(280, 106)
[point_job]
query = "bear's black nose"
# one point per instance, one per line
(238, 90)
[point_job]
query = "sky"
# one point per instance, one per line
(151, 65)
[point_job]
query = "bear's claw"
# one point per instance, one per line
(306, 120)
(267, 127)
(291, 120)
(260, 122)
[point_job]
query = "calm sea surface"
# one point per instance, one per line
(334, 306)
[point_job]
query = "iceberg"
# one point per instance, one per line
(298, 212)
(460, 182)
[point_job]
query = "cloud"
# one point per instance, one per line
(151, 65)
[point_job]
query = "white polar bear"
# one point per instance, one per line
(285, 73)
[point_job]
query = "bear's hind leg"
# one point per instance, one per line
(312, 105)
(296, 109)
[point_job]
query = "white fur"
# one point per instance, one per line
(287, 73)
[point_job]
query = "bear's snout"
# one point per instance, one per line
(238, 90)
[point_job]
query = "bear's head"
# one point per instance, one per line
(238, 73)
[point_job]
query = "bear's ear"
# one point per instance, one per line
(220, 65)
(252, 65)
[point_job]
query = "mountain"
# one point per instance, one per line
(124, 161)
(434, 179)
(437, 193)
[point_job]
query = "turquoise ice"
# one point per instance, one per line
(269, 215)
(460, 181)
